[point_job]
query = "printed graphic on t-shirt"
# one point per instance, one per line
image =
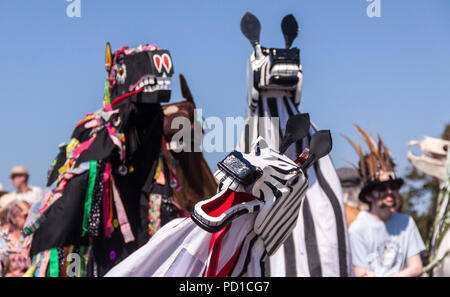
(386, 256)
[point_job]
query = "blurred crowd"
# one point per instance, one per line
(14, 209)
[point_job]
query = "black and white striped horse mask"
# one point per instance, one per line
(272, 68)
(264, 182)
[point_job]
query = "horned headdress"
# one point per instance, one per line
(375, 167)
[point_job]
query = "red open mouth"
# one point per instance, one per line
(228, 199)
(216, 213)
(122, 98)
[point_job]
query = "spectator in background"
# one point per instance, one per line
(383, 241)
(351, 186)
(19, 178)
(2, 192)
(13, 252)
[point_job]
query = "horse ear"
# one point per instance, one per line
(297, 128)
(290, 30)
(251, 28)
(185, 91)
(320, 146)
(108, 57)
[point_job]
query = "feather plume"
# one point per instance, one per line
(358, 150)
(372, 164)
(373, 147)
(353, 165)
(386, 154)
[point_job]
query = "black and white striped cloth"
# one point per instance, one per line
(319, 243)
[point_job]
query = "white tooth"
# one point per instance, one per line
(151, 80)
(146, 82)
(141, 84)
(166, 82)
(160, 82)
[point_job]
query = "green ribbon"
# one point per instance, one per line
(82, 268)
(107, 95)
(54, 263)
(89, 192)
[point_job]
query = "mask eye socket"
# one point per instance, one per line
(116, 121)
(121, 74)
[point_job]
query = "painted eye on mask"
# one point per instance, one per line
(122, 74)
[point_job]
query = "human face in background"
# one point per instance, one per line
(19, 181)
(385, 195)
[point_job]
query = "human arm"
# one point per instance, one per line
(413, 268)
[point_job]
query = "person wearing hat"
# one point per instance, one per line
(383, 241)
(19, 178)
(351, 186)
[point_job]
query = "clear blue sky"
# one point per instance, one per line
(391, 72)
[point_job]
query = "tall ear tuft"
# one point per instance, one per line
(251, 28)
(290, 30)
(108, 57)
(185, 91)
(297, 128)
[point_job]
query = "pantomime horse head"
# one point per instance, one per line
(319, 243)
(232, 233)
(98, 205)
(436, 162)
(194, 179)
(277, 69)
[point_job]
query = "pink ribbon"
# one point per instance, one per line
(106, 207)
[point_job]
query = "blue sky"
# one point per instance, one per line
(392, 73)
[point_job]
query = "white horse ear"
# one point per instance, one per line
(260, 144)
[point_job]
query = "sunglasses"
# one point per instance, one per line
(384, 187)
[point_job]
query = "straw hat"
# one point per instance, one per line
(6, 200)
(18, 170)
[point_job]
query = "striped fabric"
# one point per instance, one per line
(319, 244)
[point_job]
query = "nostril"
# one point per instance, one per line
(293, 181)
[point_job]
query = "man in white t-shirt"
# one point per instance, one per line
(19, 178)
(383, 242)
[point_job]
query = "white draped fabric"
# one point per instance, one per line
(319, 243)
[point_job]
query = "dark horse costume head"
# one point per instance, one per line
(99, 205)
(144, 73)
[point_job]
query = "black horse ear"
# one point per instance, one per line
(290, 30)
(185, 92)
(297, 128)
(320, 146)
(108, 57)
(251, 28)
